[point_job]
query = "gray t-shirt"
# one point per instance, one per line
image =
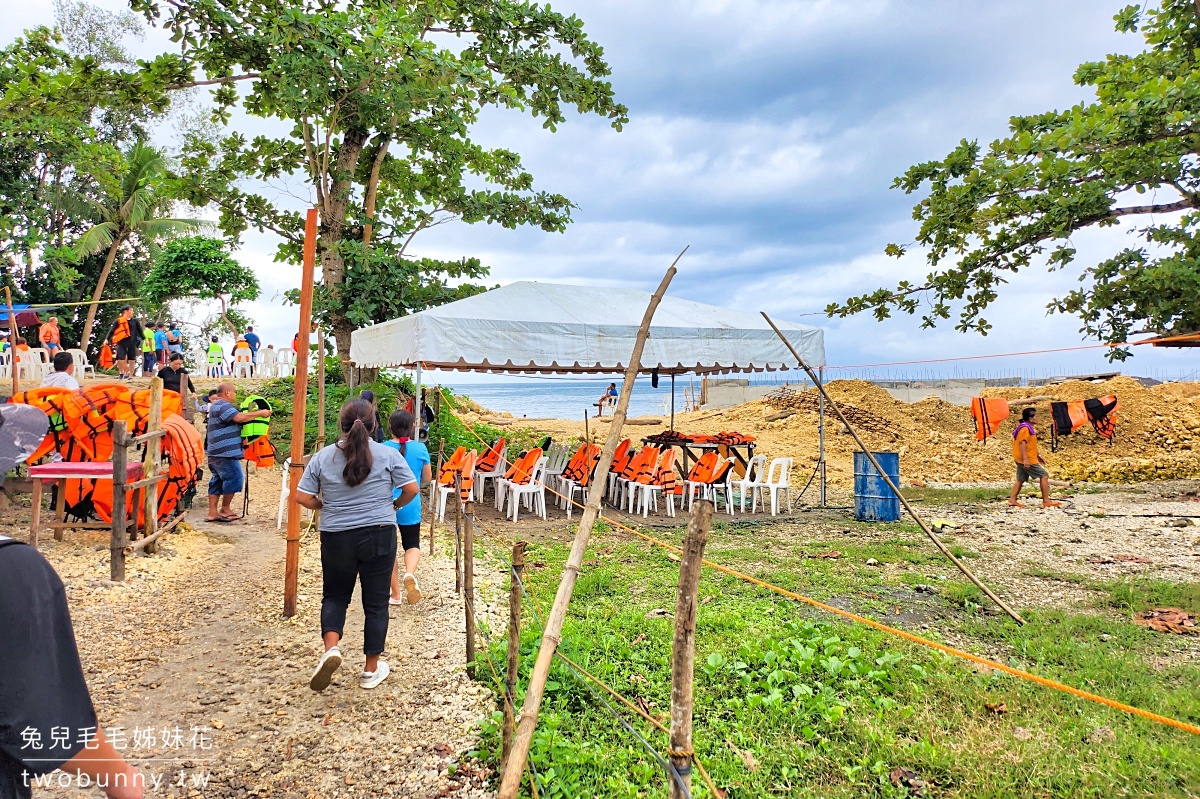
(365, 505)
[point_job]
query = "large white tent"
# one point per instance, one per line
(549, 327)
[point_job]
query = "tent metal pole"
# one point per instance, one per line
(417, 401)
(672, 401)
(821, 429)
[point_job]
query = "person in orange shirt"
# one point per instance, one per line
(48, 335)
(1029, 463)
(22, 346)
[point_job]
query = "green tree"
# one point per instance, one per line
(379, 98)
(199, 268)
(135, 210)
(990, 213)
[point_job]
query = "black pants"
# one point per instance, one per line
(368, 554)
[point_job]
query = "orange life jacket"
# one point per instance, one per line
(451, 466)
(522, 470)
(467, 481)
(259, 451)
(702, 470)
(120, 330)
(988, 413)
(491, 458)
(1102, 412)
(106, 357)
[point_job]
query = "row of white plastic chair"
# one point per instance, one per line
(761, 481)
(36, 363)
(271, 363)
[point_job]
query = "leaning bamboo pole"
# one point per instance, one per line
(895, 489)
(552, 635)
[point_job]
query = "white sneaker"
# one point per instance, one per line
(328, 664)
(412, 588)
(372, 679)
(393, 601)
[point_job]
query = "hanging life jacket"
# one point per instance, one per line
(107, 361)
(1068, 417)
(988, 413)
(256, 442)
(1102, 412)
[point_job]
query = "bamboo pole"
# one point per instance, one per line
(514, 652)
(895, 489)
(150, 463)
(291, 569)
(12, 340)
(320, 389)
(144, 543)
(433, 486)
(469, 582)
(458, 576)
(552, 635)
(120, 533)
(683, 649)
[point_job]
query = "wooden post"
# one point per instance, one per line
(150, 463)
(321, 389)
(469, 582)
(12, 340)
(587, 433)
(514, 652)
(291, 569)
(683, 650)
(185, 393)
(35, 514)
(457, 534)
(120, 538)
(962, 567)
(511, 780)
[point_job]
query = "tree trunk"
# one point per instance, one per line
(90, 319)
(225, 318)
(333, 232)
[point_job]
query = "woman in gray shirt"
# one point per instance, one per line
(351, 483)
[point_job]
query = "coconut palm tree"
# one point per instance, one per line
(133, 212)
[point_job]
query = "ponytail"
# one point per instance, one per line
(401, 424)
(356, 421)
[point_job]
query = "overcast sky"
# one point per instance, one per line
(766, 136)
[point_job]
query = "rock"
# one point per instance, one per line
(872, 562)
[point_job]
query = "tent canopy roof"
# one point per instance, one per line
(549, 327)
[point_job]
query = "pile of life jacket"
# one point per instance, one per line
(81, 428)
(989, 412)
(725, 438)
(256, 439)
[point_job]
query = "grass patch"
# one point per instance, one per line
(791, 702)
(1139, 594)
(953, 496)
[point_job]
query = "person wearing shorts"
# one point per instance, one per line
(402, 426)
(223, 445)
(126, 338)
(1030, 465)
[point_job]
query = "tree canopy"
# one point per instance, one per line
(199, 268)
(378, 99)
(1131, 153)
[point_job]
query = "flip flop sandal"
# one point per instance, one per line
(219, 520)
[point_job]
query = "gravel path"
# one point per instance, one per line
(195, 641)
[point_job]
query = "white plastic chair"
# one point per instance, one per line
(753, 481)
(6, 364)
(243, 366)
(556, 462)
(497, 474)
(645, 495)
(29, 366)
(266, 361)
(722, 490)
(532, 493)
(445, 492)
(82, 367)
(779, 480)
(285, 363)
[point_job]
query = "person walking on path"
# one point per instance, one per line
(353, 482)
(49, 336)
(381, 430)
(160, 345)
(402, 426)
(43, 692)
(1029, 463)
(224, 449)
(126, 338)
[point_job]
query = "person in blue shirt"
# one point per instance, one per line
(402, 426)
(254, 341)
(160, 343)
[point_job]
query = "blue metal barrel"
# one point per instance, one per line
(873, 500)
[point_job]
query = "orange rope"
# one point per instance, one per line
(916, 639)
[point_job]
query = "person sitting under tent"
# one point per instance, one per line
(63, 375)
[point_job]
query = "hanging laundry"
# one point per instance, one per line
(1102, 412)
(988, 413)
(1067, 418)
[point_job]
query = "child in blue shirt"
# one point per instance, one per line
(402, 426)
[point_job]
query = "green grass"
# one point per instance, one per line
(793, 702)
(953, 496)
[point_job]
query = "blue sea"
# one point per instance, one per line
(569, 398)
